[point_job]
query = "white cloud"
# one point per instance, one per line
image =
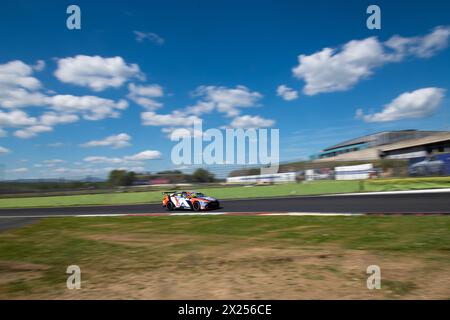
(19, 97)
(145, 95)
(134, 159)
(4, 150)
(416, 104)
(201, 107)
(17, 73)
(212, 98)
(102, 159)
(65, 109)
(32, 131)
(174, 119)
(329, 70)
(144, 155)
(53, 118)
(54, 161)
(147, 103)
(223, 99)
(175, 134)
(287, 93)
(95, 72)
(39, 66)
(247, 122)
(31, 126)
(18, 86)
(16, 118)
(90, 107)
(19, 170)
(18, 89)
(340, 69)
(50, 163)
(120, 140)
(150, 36)
(422, 46)
(151, 91)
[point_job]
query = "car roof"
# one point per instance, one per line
(181, 191)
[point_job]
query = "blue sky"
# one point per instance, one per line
(157, 62)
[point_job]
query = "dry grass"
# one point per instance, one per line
(178, 259)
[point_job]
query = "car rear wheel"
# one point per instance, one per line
(169, 206)
(196, 206)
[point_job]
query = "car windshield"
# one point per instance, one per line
(197, 195)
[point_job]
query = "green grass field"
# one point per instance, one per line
(292, 189)
(407, 184)
(155, 196)
(224, 257)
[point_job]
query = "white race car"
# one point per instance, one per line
(190, 200)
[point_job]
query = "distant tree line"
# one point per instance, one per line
(116, 178)
(121, 178)
(12, 187)
(127, 178)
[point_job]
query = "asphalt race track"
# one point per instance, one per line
(437, 202)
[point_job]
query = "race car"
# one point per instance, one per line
(191, 200)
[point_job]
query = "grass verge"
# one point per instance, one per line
(224, 257)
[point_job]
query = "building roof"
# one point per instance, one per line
(373, 136)
(438, 137)
(373, 152)
(350, 142)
